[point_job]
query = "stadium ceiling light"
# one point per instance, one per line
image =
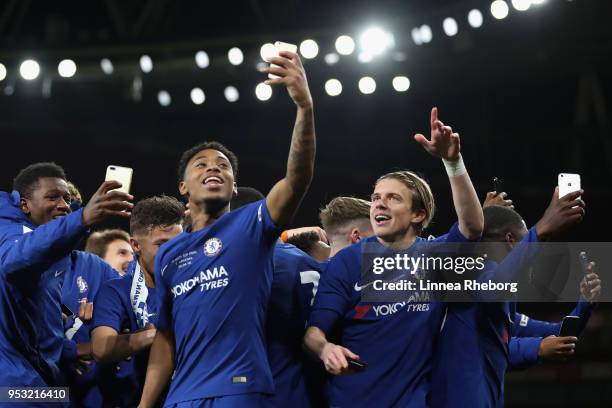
(267, 51)
(401, 83)
(231, 94)
(201, 59)
(375, 41)
(197, 96)
(499, 9)
(332, 58)
(2, 72)
(146, 64)
(29, 69)
(67, 68)
(521, 5)
(416, 35)
(426, 34)
(345, 45)
(367, 85)
(235, 56)
(309, 49)
(263, 92)
(333, 87)
(475, 18)
(450, 26)
(107, 66)
(163, 97)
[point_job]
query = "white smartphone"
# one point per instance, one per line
(120, 174)
(282, 46)
(568, 183)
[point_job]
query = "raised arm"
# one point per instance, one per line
(34, 251)
(446, 145)
(284, 198)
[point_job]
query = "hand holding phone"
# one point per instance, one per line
(281, 46)
(570, 326)
(356, 365)
(568, 183)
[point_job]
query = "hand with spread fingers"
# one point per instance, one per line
(290, 71)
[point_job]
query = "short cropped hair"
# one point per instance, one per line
(499, 220)
(98, 242)
(422, 197)
(304, 241)
(343, 210)
(27, 180)
(156, 211)
(188, 155)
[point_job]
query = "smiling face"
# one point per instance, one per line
(208, 180)
(391, 213)
(50, 199)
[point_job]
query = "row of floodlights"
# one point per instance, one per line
(263, 92)
(372, 42)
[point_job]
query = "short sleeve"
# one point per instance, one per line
(108, 310)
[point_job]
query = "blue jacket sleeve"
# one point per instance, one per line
(527, 327)
(523, 352)
(31, 253)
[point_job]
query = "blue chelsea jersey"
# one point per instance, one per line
(213, 287)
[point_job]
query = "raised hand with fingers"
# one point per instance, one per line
(561, 214)
(444, 142)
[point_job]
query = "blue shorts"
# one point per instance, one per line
(254, 400)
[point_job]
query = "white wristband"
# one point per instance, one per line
(454, 168)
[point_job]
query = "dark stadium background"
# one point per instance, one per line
(531, 96)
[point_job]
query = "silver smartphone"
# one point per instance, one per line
(568, 183)
(120, 174)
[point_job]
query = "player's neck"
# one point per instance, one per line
(200, 218)
(399, 242)
(149, 280)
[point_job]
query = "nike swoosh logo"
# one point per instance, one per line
(359, 288)
(58, 273)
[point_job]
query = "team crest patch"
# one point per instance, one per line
(82, 284)
(212, 246)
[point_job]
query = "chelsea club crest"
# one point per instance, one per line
(82, 284)
(212, 246)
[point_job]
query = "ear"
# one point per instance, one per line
(23, 204)
(509, 238)
(135, 245)
(419, 216)
(183, 188)
(355, 235)
(235, 189)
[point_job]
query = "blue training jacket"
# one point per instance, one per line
(527, 334)
(33, 261)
